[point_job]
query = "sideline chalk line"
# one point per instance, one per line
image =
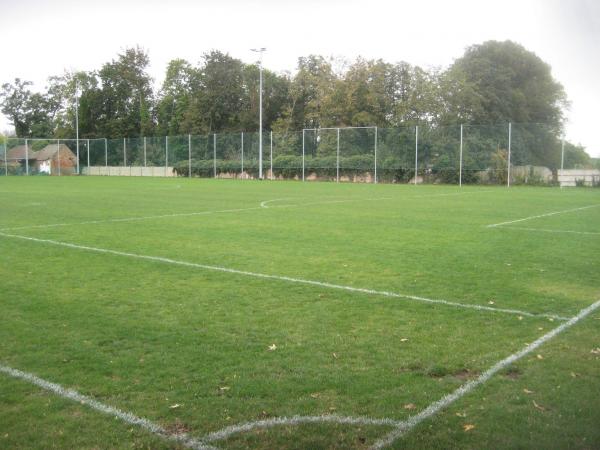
(181, 438)
(262, 205)
(445, 401)
(542, 215)
(283, 278)
(548, 230)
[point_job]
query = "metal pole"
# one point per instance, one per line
(5, 156)
(144, 151)
(166, 155)
(260, 112)
(215, 154)
(77, 122)
(106, 154)
(58, 155)
(416, 152)
(260, 124)
(26, 158)
(461, 157)
(189, 156)
(124, 152)
(337, 159)
(562, 158)
(271, 157)
(242, 153)
(508, 162)
(375, 179)
(88, 156)
(303, 155)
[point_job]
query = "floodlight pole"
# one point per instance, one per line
(260, 51)
(337, 159)
(242, 174)
(144, 151)
(77, 121)
(88, 156)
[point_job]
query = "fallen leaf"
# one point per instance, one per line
(334, 355)
(596, 351)
(491, 302)
(272, 347)
(541, 408)
(315, 395)
(409, 406)
(527, 391)
(459, 414)
(540, 328)
(540, 357)
(224, 388)
(574, 375)
(176, 405)
(403, 339)
(468, 426)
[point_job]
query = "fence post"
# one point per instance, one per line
(271, 157)
(77, 145)
(88, 156)
(58, 155)
(106, 154)
(144, 151)
(416, 152)
(375, 179)
(166, 154)
(508, 162)
(215, 154)
(337, 158)
(461, 157)
(303, 154)
(562, 158)
(189, 156)
(242, 174)
(124, 152)
(26, 158)
(5, 156)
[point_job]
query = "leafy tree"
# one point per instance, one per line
(15, 102)
(502, 82)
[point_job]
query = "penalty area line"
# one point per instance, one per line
(493, 225)
(435, 407)
(127, 417)
(283, 278)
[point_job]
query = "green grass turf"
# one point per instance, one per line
(145, 335)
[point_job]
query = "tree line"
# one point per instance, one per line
(494, 82)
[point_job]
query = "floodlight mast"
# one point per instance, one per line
(260, 51)
(77, 122)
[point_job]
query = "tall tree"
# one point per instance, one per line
(508, 83)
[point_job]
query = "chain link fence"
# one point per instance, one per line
(455, 154)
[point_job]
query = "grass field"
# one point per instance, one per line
(315, 315)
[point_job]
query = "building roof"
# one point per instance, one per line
(19, 152)
(49, 151)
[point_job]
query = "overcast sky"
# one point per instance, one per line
(45, 37)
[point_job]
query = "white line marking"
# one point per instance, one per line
(181, 438)
(131, 219)
(547, 230)
(435, 407)
(266, 202)
(227, 432)
(543, 215)
(281, 277)
(263, 205)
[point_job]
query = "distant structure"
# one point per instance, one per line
(53, 159)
